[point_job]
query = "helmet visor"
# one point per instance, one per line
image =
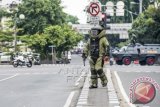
(94, 33)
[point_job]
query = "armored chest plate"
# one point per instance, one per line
(94, 47)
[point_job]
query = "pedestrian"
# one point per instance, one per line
(97, 48)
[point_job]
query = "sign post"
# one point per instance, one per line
(53, 54)
(94, 11)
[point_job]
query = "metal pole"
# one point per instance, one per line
(15, 33)
(54, 52)
(52, 56)
(140, 6)
(130, 14)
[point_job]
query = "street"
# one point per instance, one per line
(39, 86)
(128, 74)
(60, 85)
(79, 53)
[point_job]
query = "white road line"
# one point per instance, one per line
(8, 77)
(114, 102)
(122, 90)
(82, 75)
(68, 102)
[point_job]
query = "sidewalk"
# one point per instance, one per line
(100, 97)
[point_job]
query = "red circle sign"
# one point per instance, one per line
(94, 9)
(145, 92)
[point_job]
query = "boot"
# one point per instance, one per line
(104, 83)
(103, 77)
(93, 86)
(104, 80)
(94, 82)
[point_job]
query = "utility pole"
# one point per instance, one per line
(15, 33)
(140, 6)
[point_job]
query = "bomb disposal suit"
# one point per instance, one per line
(97, 48)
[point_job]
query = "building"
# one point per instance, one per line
(121, 29)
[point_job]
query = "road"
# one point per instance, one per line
(59, 85)
(39, 86)
(128, 74)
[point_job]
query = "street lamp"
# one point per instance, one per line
(131, 13)
(13, 6)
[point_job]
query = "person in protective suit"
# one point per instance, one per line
(97, 48)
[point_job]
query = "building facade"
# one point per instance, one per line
(120, 29)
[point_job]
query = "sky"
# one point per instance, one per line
(72, 7)
(4, 2)
(76, 8)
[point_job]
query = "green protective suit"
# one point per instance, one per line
(96, 49)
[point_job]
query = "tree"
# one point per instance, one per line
(72, 19)
(40, 14)
(5, 39)
(146, 28)
(3, 13)
(63, 37)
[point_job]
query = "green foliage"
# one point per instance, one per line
(3, 12)
(40, 14)
(72, 19)
(44, 26)
(121, 44)
(5, 39)
(128, 7)
(6, 36)
(63, 37)
(146, 28)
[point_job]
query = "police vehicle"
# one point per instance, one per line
(146, 54)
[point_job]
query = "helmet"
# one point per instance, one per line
(95, 31)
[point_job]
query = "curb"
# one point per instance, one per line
(112, 93)
(82, 101)
(123, 98)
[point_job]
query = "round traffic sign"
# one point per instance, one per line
(109, 5)
(94, 9)
(120, 5)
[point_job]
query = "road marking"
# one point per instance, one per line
(82, 76)
(113, 102)
(122, 90)
(68, 102)
(8, 78)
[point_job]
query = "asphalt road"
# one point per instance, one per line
(52, 85)
(128, 74)
(39, 86)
